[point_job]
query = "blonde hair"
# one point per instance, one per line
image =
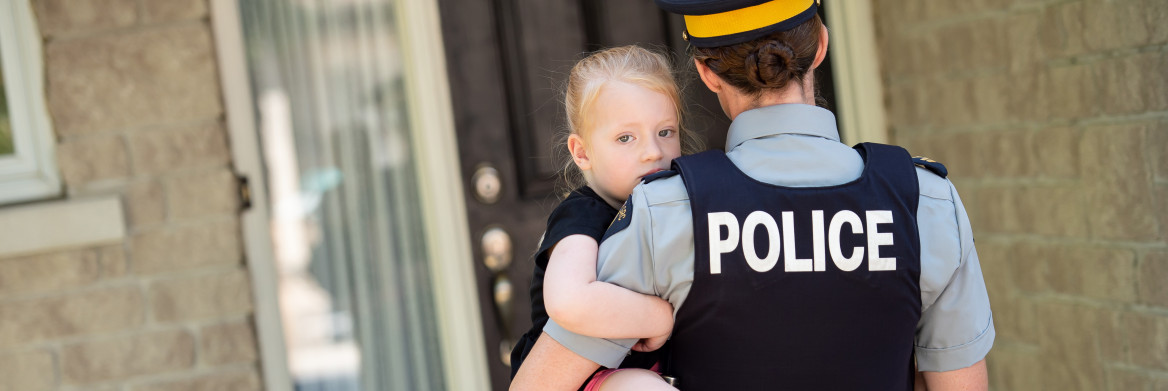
(630, 64)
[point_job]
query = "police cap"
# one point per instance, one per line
(711, 23)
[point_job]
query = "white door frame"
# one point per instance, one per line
(444, 212)
(856, 71)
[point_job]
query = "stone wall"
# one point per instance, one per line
(1052, 116)
(133, 94)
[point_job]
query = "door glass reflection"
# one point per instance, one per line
(355, 299)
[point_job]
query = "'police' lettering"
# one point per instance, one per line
(785, 239)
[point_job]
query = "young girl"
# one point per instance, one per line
(624, 120)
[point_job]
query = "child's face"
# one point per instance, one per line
(633, 133)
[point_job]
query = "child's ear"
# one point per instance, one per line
(579, 153)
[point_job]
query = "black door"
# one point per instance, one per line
(507, 60)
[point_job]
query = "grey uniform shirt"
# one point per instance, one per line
(798, 145)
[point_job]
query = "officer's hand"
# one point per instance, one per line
(650, 344)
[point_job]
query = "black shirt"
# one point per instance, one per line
(583, 212)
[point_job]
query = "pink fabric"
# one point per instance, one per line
(600, 377)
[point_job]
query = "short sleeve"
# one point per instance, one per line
(956, 329)
(582, 213)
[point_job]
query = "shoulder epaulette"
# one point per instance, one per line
(931, 165)
(658, 175)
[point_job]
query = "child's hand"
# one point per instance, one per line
(650, 344)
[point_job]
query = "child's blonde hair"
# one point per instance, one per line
(631, 64)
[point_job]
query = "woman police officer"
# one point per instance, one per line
(792, 261)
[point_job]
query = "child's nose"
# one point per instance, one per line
(653, 151)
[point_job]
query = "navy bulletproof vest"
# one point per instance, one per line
(800, 288)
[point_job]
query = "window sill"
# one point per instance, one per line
(51, 226)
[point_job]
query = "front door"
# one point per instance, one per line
(507, 61)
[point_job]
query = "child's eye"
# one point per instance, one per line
(624, 138)
(666, 132)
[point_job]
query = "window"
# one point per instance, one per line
(28, 169)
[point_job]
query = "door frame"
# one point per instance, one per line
(856, 71)
(434, 146)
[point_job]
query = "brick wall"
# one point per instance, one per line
(1052, 116)
(133, 93)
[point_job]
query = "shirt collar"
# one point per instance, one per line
(782, 119)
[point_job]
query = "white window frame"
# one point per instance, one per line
(856, 71)
(30, 173)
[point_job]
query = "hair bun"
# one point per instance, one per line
(772, 65)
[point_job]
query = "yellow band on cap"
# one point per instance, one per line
(744, 19)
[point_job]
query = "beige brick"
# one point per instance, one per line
(1014, 318)
(1153, 273)
(1101, 273)
(1148, 335)
(1069, 92)
(1114, 24)
(113, 261)
(1128, 380)
(228, 343)
(1057, 210)
(221, 381)
(990, 98)
(1071, 360)
(1024, 29)
(1122, 81)
(199, 145)
(1155, 13)
(1061, 30)
(1155, 82)
(93, 158)
(1118, 190)
(998, 210)
(163, 10)
(1012, 368)
(172, 249)
(79, 313)
(1112, 336)
(1160, 192)
(1056, 152)
(125, 357)
(1011, 150)
(203, 194)
(48, 272)
(1157, 147)
(136, 79)
(73, 16)
(27, 371)
(1027, 100)
(201, 297)
(145, 203)
(1030, 266)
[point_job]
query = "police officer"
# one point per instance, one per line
(792, 260)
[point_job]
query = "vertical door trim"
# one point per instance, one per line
(256, 223)
(859, 90)
(431, 116)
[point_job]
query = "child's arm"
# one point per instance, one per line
(580, 304)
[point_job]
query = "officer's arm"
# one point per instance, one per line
(956, 330)
(971, 378)
(579, 303)
(551, 366)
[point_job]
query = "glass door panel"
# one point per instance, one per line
(355, 297)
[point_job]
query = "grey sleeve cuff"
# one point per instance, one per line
(607, 353)
(956, 357)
